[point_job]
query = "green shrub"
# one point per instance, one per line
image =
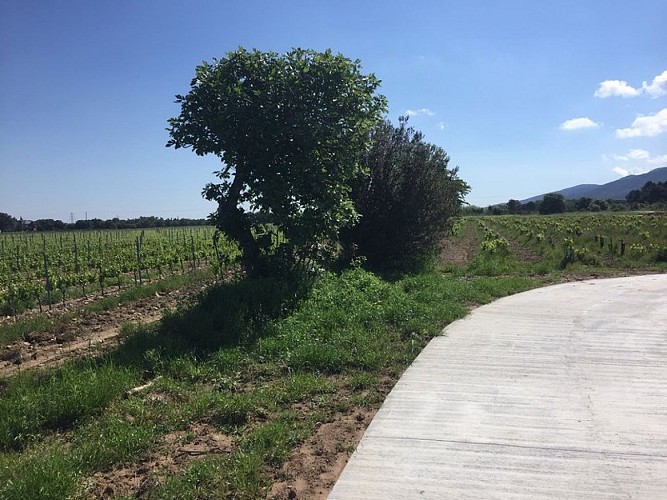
(661, 255)
(406, 199)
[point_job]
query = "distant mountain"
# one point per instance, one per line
(615, 190)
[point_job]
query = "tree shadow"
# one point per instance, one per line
(227, 315)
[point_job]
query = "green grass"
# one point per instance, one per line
(260, 360)
(111, 440)
(45, 473)
(34, 403)
(208, 478)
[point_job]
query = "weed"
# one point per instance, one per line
(200, 480)
(363, 381)
(57, 400)
(111, 440)
(44, 473)
(15, 330)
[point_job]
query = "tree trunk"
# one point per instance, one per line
(233, 221)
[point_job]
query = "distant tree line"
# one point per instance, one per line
(9, 223)
(652, 196)
(651, 192)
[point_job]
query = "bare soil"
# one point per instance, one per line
(88, 334)
(175, 451)
(523, 253)
(459, 251)
(309, 472)
(313, 468)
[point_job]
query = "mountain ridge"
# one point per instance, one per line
(614, 190)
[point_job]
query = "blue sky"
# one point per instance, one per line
(525, 96)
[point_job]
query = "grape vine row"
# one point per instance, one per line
(37, 269)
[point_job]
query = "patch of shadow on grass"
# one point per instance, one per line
(227, 315)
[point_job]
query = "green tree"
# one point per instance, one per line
(406, 198)
(634, 196)
(582, 203)
(598, 205)
(552, 203)
(48, 225)
(7, 222)
(514, 206)
(289, 129)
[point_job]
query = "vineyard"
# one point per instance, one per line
(40, 269)
(621, 241)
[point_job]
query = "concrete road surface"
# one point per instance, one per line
(559, 392)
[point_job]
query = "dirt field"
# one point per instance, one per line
(89, 333)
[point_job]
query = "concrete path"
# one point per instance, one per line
(559, 392)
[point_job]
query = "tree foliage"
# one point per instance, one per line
(288, 129)
(405, 199)
(651, 192)
(552, 203)
(8, 223)
(514, 206)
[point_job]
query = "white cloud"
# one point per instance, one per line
(577, 123)
(442, 125)
(624, 172)
(609, 88)
(621, 88)
(658, 87)
(633, 154)
(658, 160)
(637, 161)
(638, 154)
(645, 126)
(421, 111)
